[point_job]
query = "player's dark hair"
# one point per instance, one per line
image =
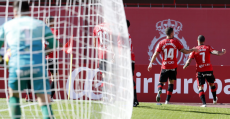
(168, 31)
(48, 19)
(24, 5)
(201, 38)
(128, 23)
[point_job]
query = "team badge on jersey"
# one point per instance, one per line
(161, 26)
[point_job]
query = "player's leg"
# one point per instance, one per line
(172, 78)
(42, 91)
(14, 104)
(14, 101)
(170, 90)
(29, 96)
(102, 68)
(43, 97)
(213, 90)
(135, 101)
(200, 83)
(52, 70)
(44, 103)
(163, 79)
(211, 80)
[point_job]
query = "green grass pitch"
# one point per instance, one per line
(63, 110)
(153, 111)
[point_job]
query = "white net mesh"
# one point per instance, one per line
(97, 71)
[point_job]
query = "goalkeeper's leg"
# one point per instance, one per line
(14, 104)
(42, 91)
(14, 89)
(44, 103)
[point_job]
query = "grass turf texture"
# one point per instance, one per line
(63, 110)
(153, 111)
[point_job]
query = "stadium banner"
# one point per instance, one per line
(146, 30)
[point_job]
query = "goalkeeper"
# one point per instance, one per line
(24, 36)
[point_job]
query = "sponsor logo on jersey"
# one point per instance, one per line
(169, 62)
(204, 65)
(207, 75)
(202, 50)
(161, 26)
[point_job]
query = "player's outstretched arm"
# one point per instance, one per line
(219, 53)
(185, 51)
(187, 63)
(152, 60)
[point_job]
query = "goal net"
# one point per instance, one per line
(90, 68)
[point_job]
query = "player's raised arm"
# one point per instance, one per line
(185, 51)
(219, 53)
(152, 60)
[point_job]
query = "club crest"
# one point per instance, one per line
(161, 26)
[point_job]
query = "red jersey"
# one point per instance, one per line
(131, 47)
(169, 48)
(202, 58)
(51, 54)
(102, 34)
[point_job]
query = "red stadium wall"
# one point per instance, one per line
(147, 29)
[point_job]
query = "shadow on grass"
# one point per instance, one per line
(139, 106)
(178, 110)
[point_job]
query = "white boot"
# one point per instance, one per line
(166, 102)
(203, 105)
(215, 102)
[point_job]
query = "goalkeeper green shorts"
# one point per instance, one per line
(21, 79)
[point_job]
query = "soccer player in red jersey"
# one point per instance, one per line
(51, 57)
(102, 40)
(204, 67)
(135, 101)
(103, 43)
(169, 48)
(101, 35)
